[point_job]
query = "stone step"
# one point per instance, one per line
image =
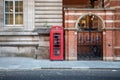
(48, 16)
(48, 4)
(50, 24)
(48, 21)
(18, 38)
(19, 43)
(48, 1)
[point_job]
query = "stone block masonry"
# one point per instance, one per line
(48, 13)
(24, 44)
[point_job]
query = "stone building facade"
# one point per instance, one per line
(31, 39)
(86, 29)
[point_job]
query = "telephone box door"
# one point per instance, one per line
(56, 43)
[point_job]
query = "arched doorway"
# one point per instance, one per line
(90, 38)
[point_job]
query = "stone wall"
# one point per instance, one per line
(17, 51)
(26, 40)
(48, 13)
(18, 43)
(42, 51)
(24, 44)
(1, 13)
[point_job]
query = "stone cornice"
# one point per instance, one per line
(111, 29)
(89, 9)
(70, 28)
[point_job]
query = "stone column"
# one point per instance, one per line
(71, 45)
(1, 14)
(70, 36)
(116, 4)
(28, 6)
(109, 45)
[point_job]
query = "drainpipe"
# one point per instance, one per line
(102, 3)
(92, 3)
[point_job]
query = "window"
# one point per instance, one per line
(13, 12)
(90, 23)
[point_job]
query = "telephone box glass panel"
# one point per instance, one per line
(56, 41)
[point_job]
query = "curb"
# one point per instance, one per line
(59, 68)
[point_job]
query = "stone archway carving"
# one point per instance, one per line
(103, 24)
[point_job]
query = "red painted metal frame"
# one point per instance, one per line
(56, 30)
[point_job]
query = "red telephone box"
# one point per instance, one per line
(56, 43)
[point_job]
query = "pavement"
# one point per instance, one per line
(21, 63)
